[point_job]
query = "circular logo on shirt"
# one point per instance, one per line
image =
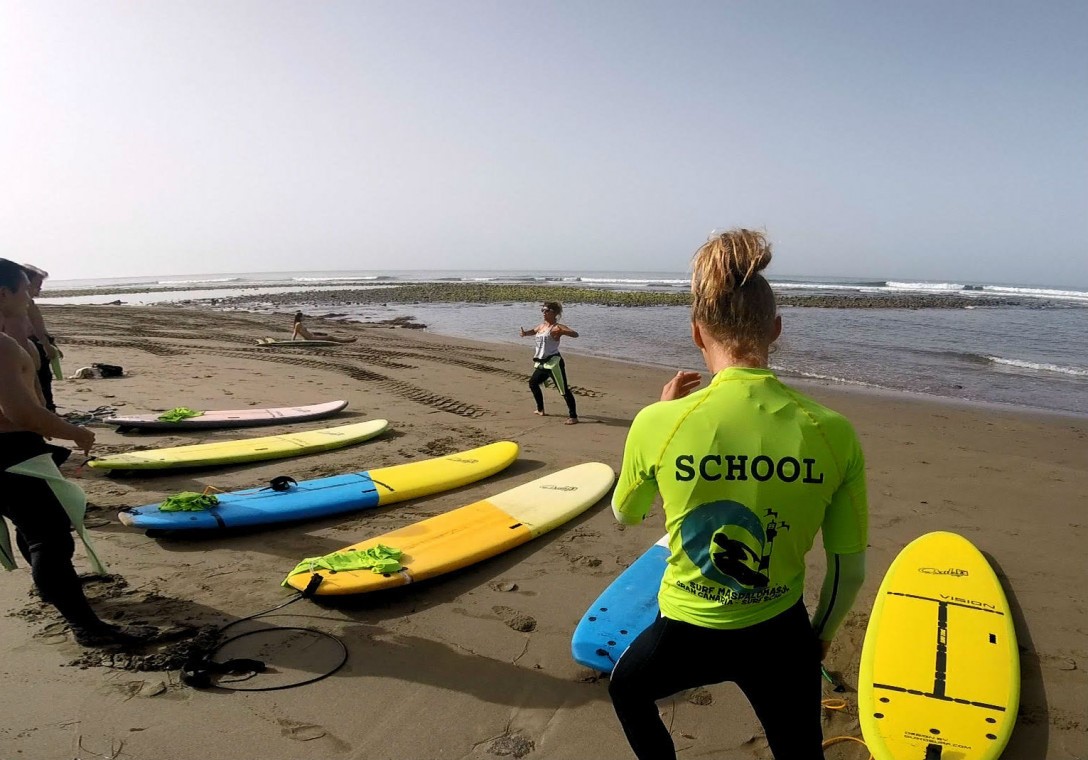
(725, 540)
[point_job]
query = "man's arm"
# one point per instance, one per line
(636, 486)
(37, 329)
(23, 410)
(846, 535)
(845, 574)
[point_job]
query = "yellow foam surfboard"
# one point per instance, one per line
(401, 482)
(475, 532)
(244, 449)
(940, 671)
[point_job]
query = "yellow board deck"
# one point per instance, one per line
(402, 482)
(940, 671)
(244, 449)
(475, 532)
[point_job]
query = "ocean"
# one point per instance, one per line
(1031, 353)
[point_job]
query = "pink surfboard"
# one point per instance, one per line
(233, 418)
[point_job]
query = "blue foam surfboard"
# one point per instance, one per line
(624, 610)
(323, 497)
(261, 506)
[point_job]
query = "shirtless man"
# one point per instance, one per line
(34, 496)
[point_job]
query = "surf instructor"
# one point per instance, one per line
(749, 470)
(548, 363)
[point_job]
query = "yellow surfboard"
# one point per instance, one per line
(245, 449)
(940, 671)
(473, 533)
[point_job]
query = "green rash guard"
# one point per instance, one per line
(749, 470)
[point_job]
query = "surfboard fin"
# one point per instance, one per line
(933, 752)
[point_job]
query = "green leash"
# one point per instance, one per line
(835, 685)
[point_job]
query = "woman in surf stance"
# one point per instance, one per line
(548, 363)
(740, 524)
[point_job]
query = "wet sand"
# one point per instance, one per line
(477, 664)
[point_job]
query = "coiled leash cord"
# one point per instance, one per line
(199, 671)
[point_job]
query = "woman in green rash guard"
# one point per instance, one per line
(749, 470)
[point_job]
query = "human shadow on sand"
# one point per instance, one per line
(1031, 736)
(377, 653)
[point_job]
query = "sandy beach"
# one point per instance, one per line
(477, 664)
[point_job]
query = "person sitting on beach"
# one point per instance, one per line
(548, 364)
(39, 502)
(301, 333)
(749, 470)
(39, 337)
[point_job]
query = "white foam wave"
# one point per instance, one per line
(198, 282)
(820, 376)
(1040, 366)
(635, 281)
(824, 286)
(1064, 295)
(939, 286)
(335, 279)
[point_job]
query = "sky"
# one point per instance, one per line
(925, 140)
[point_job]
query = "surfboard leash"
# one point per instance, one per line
(199, 671)
(837, 703)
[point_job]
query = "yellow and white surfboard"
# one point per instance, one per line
(475, 532)
(940, 671)
(244, 449)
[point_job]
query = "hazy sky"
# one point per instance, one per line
(921, 139)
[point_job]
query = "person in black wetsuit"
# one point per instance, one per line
(34, 496)
(39, 336)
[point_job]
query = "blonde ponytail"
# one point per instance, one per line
(730, 296)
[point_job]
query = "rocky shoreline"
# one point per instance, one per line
(493, 293)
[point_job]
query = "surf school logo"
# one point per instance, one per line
(559, 488)
(462, 460)
(953, 572)
(731, 545)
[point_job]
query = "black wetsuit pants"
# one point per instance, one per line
(540, 376)
(45, 376)
(775, 663)
(43, 530)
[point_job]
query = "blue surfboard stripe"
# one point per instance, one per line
(624, 610)
(310, 499)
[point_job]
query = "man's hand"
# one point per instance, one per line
(681, 385)
(84, 440)
(825, 646)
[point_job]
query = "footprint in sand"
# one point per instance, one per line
(519, 621)
(54, 633)
(300, 732)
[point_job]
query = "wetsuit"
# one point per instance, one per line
(31, 494)
(749, 471)
(45, 374)
(548, 364)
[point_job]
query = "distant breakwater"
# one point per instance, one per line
(516, 293)
(469, 292)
